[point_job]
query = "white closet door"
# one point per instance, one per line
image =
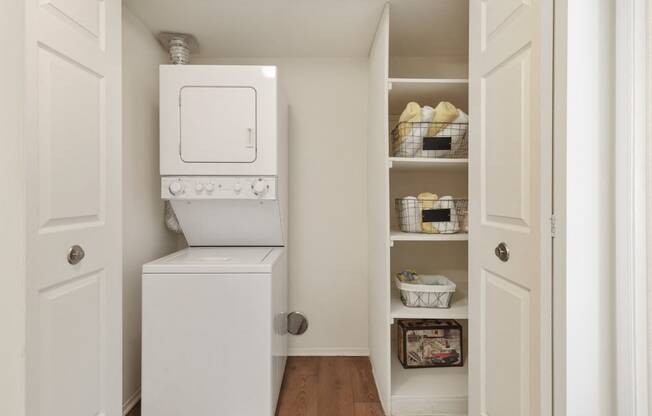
(508, 83)
(73, 146)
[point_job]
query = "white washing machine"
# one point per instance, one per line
(214, 330)
(215, 314)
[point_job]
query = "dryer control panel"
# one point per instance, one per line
(218, 187)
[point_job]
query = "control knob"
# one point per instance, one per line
(199, 187)
(209, 187)
(259, 187)
(176, 188)
(237, 188)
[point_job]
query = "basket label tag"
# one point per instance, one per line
(437, 143)
(436, 215)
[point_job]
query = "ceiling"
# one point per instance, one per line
(267, 28)
(309, 28)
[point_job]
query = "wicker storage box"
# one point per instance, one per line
(425, 291)
(430, 343)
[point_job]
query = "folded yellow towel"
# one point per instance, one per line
(427, 201)
(445, 113)
(411, 114)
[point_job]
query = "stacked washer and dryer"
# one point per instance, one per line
(214, 314)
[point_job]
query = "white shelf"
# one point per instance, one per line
(459, 307)
(418, 382)
(441, 390)
(396, 235)
(427, 92)
(396, 81)
(428, 164)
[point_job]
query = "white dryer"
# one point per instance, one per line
(214, 330)
(224, 139)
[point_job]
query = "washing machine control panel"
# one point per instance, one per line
(218, 187)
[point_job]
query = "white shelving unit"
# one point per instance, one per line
(422, 163)
(425, 72)
(396, 235)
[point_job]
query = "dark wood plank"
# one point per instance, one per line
(364, 387)
(368, 409)
(335, 391)
(299, 392)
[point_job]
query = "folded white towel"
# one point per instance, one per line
(413, 141)
(410, 214)
(447, 227)
(456, 130)
(427, 114)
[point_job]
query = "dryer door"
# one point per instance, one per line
(218, 124)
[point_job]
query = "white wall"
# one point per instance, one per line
(144, 234)
(584, 179)
(328, 272)
(12, 213)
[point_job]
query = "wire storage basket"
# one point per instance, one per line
(430, 140)
(444, 215)
(424, 291)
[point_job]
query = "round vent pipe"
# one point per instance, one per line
(180, 46)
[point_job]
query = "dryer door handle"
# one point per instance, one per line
(250, 137)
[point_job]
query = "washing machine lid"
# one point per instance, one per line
(217, 260)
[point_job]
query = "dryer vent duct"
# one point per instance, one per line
(180, 46)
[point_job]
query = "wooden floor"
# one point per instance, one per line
(328, 386)
(325, 386)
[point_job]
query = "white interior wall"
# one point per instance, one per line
(144, 234)
(429, 67)
(584, 180)
(327, 263)
(12, 212)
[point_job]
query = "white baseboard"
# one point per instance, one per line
(131, 402)
(429, 406)
(329, 352)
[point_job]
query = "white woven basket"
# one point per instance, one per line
(436, 295)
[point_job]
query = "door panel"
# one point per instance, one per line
(506, 141)
(507, 317)
(71, 141)
(69, 353)
(87, 15)
(73, 146)
(507, 75)
(218, 124)
(497, 13)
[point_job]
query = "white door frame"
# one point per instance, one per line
(631, 207)
(12, 212)
(584, 263)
